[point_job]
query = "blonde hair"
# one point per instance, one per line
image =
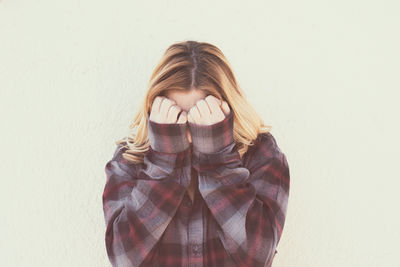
(192, 65)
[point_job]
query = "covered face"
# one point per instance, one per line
(185, 100)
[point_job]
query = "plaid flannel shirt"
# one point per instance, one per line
(239, 207)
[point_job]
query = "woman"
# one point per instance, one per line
(202, 181)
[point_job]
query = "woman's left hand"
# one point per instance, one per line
(208, 111)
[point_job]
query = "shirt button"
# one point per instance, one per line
(197, 249)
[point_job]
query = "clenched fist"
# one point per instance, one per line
(208, 111)
(165, 110)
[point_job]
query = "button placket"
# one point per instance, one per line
(187, 202)
(197, 249)
(196, 237)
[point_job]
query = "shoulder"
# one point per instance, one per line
(265, 150)
(118, 151)
(118, 161)
(267, 145)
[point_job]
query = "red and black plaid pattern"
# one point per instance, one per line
(167, 137)
(212, 138)
(239, 208)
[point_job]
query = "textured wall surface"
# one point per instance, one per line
(324, 74)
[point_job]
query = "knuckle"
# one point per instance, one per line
(169, 101)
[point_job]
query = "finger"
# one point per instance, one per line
(194, 114)
(164, 108)
(204, 110)
(214, 98)
(225, 108)
(214, 104)
(173, 114)
(155, 108)
(189, 118)
(182, 117)
(156, 104)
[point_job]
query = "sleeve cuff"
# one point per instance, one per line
(167, 137)
(212, 138)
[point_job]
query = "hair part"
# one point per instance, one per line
(192, 65)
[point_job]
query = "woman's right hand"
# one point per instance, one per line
(165, 110)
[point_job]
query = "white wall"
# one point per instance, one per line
(324, 74)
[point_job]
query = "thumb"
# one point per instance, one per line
(225, 108)
(182, 117)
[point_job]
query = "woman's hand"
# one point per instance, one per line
(208, 111)
(165, 110)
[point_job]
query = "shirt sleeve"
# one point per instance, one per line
(139, 200)
(249, 203)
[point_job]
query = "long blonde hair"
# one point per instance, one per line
(194, 65)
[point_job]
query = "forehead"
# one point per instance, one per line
(186, 99)
(186, 96)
